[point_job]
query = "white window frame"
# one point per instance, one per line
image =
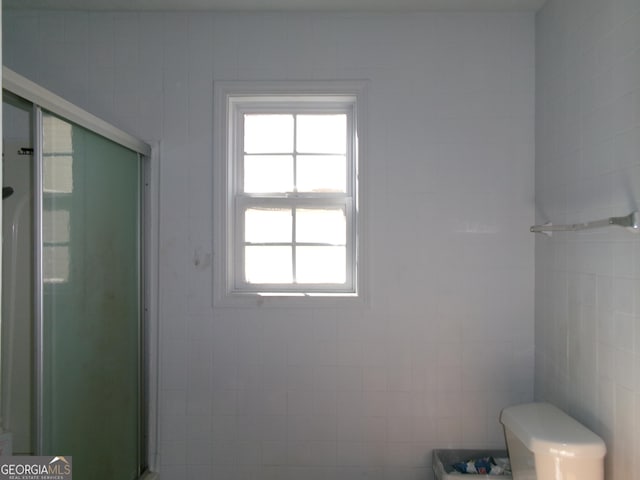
(232, 99)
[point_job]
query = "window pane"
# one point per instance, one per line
(321, 264)
(267, 225)
(268, 173)
(268, 264)
(322, 173)
(55, 264)
(56, 226)
(57, 174)
(321, 226)
(268, 133)
(59, 138)
(321, 134)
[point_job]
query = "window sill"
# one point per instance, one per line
(289, 299)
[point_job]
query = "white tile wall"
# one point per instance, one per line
(588, 167)
(446, 339)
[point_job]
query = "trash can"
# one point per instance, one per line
(444, 460)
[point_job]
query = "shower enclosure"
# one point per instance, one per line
(73, 300)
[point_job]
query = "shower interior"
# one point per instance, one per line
(73, 291)
(17, 274)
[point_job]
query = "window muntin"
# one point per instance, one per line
(292, 166)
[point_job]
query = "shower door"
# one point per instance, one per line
(89, 404)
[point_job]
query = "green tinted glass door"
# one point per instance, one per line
(91, 302)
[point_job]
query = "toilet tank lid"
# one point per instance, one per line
(545, 429)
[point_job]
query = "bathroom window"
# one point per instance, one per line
(289, 209)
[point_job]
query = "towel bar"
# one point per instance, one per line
(631, 221)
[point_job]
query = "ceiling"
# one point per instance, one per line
(281, 5)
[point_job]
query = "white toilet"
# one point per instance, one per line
(545, 443)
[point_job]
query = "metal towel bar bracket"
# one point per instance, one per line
(631, 222)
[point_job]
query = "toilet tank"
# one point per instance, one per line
(545, 443)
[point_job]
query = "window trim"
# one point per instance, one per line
(234, 96)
